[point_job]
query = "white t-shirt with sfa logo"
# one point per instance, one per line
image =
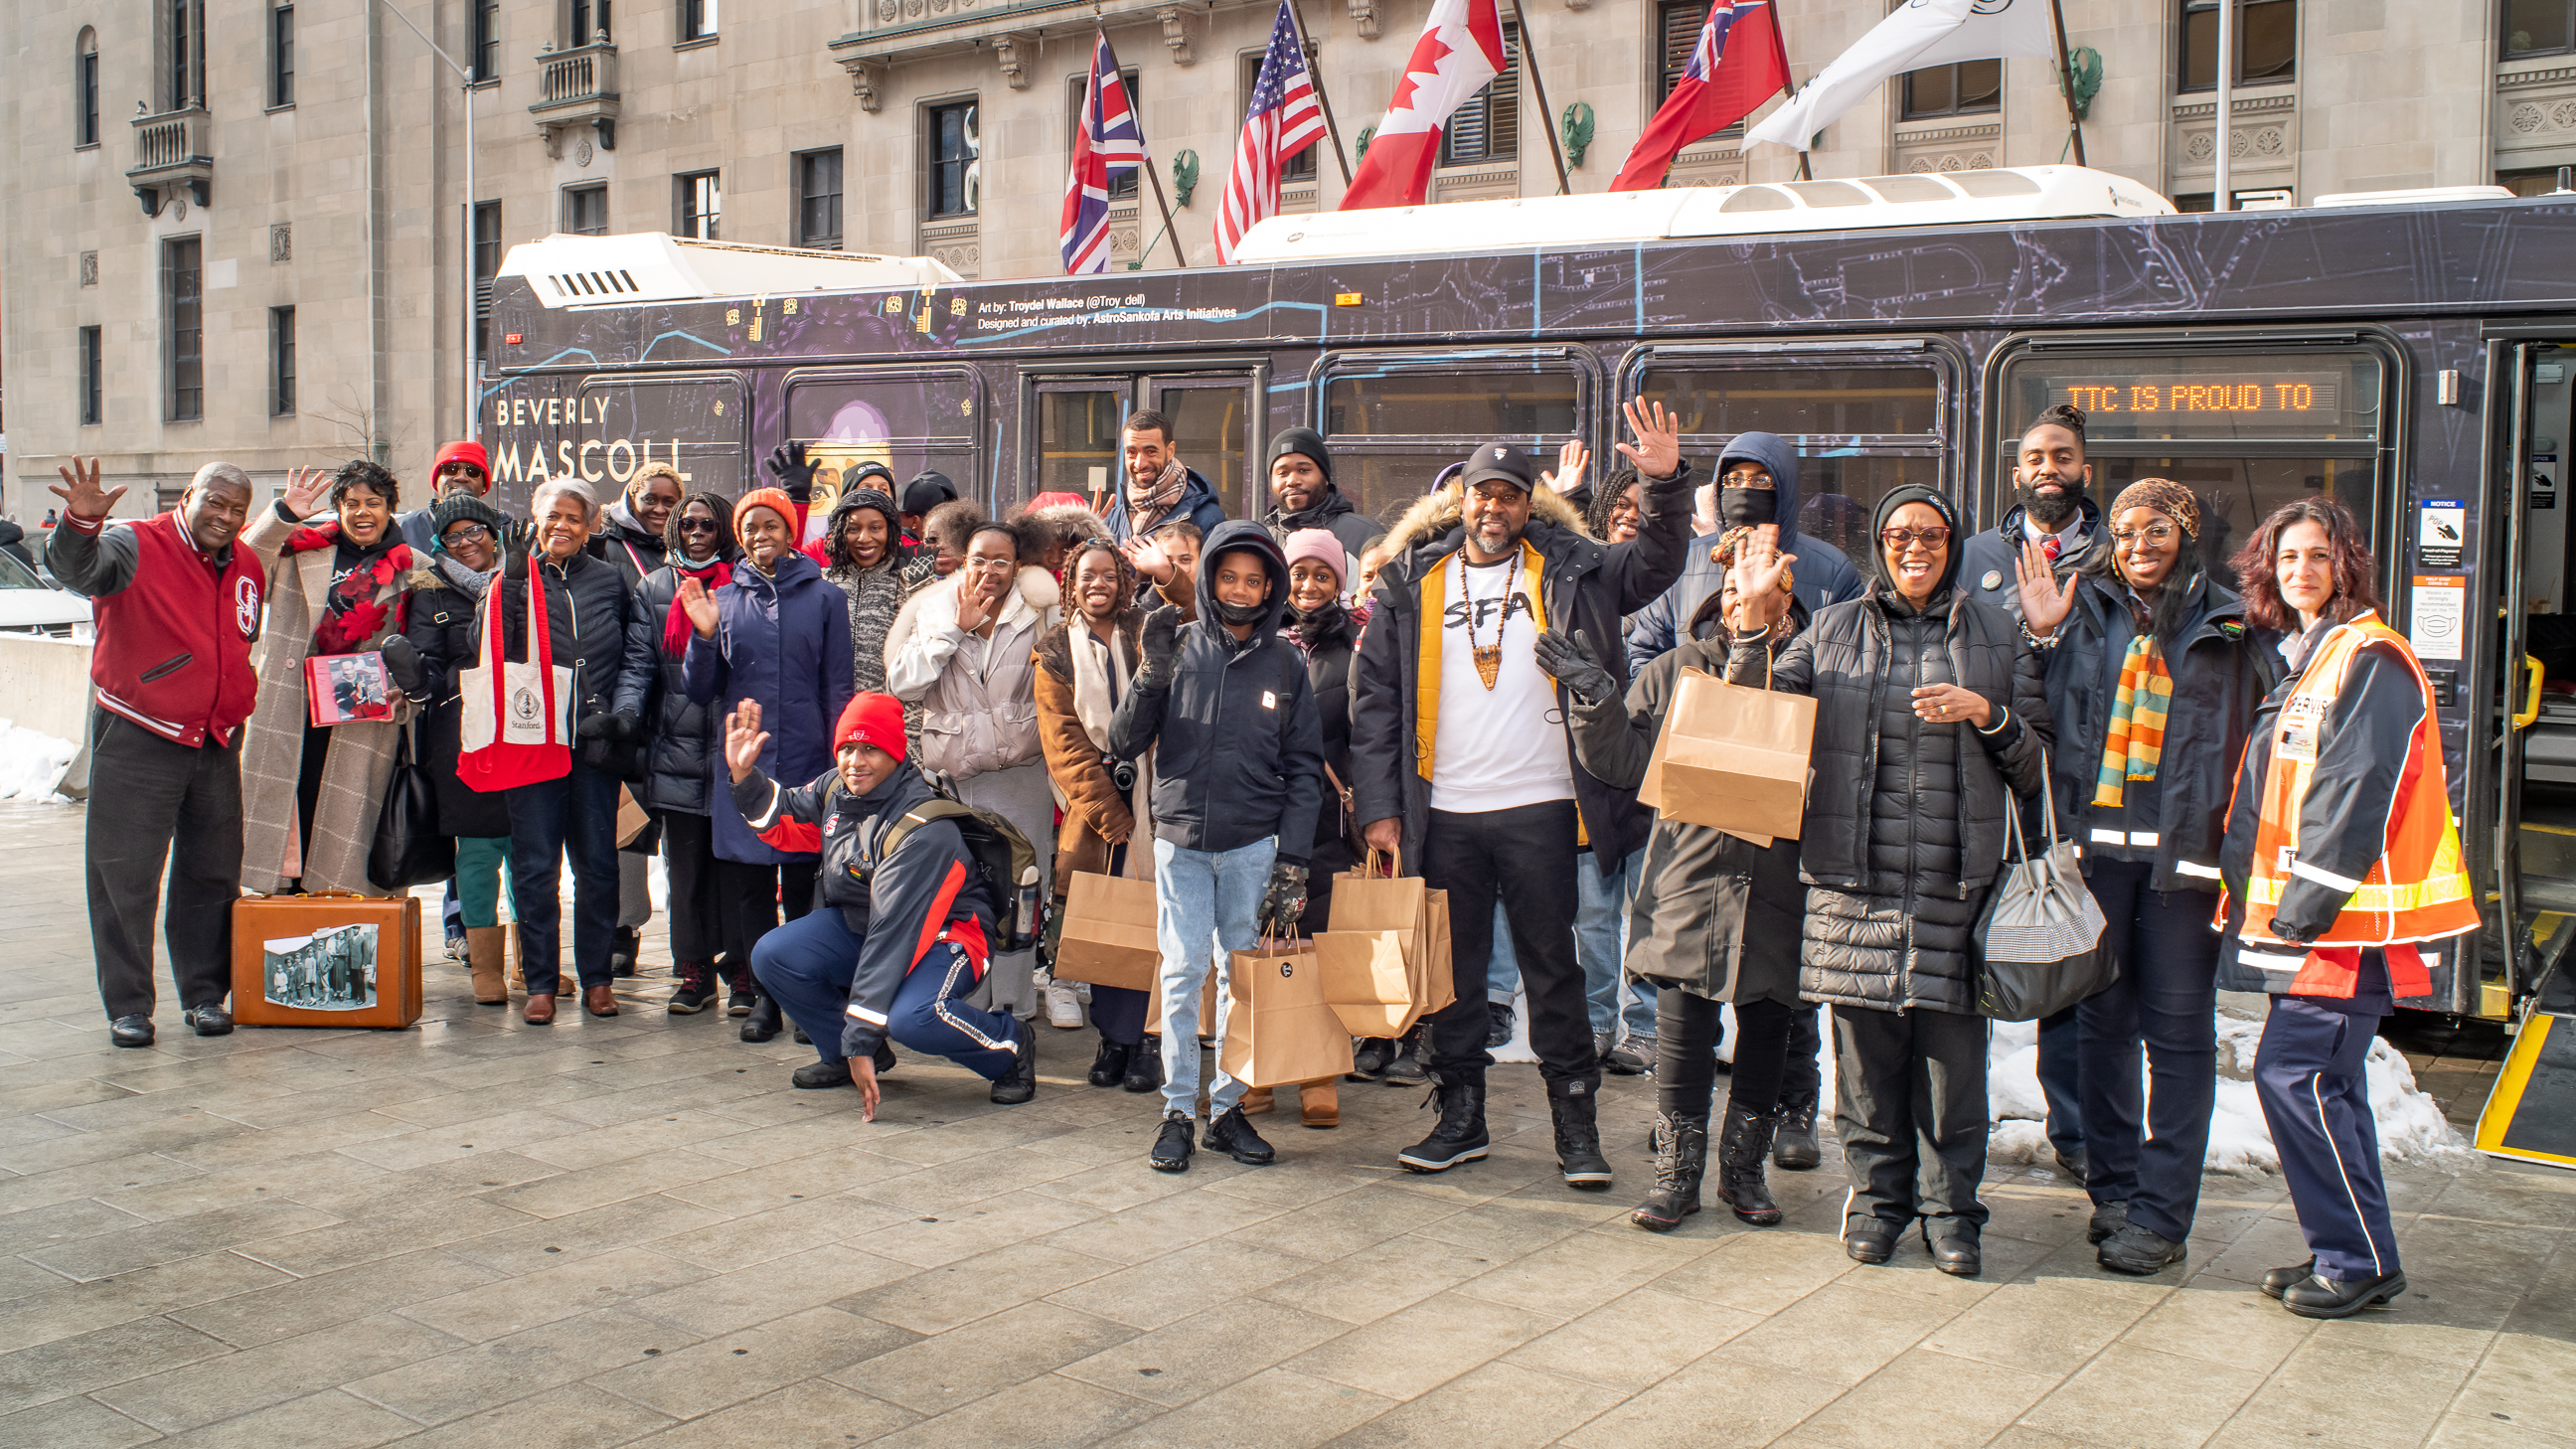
(1502, 748)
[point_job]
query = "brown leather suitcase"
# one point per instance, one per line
(328, 960)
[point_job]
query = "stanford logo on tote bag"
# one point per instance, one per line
(517, 724)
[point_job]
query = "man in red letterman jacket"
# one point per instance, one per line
(177, 604)
(897, 939)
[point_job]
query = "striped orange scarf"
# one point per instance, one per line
(2137, 737)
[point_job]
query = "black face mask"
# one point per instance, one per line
(1739, 507)
(1240, 613)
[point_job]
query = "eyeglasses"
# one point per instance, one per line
(697, 525)
(465, 533)
(1902, 539)
(2158, 534)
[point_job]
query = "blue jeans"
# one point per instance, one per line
(2162, 1003)
(573, 816)
(1601, 943)
(1502, 969)
(1205, 909)
(806, 965)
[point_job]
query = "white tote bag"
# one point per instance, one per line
(517, 723)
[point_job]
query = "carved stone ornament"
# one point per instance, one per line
(864, 76)
(1364, 16)
(1173, 35)
(89, 269)
(1014, 66)
(887, 10)
(281, 242)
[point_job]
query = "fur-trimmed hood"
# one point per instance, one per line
(1433, 515)
(1072, 522)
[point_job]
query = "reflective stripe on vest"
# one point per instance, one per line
(2418, 889)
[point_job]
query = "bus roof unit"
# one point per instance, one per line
(652, 266)
(1621, 218)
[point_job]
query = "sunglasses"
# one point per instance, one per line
(461, 470)
(697, 525)
(1901, 539)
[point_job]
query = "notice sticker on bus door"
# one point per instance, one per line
(2441, 604)
(2441, 526)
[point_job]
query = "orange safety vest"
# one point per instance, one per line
(2418, 889)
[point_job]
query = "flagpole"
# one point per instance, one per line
(1547, 118)
(2066, 79)
(1157, 178)
(1315, 76)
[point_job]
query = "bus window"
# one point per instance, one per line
(1211, 432)
(1078, 437)
(1395, 420)
(2247, 431)
(911, 420)
(1860, 431)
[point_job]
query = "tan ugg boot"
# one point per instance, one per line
(1319, 1103)
(1256, 1101)
(483, 955)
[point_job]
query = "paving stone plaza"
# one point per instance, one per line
(632, 1230)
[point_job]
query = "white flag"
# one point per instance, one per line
(1921, 34)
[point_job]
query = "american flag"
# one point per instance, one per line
(1283, 120)
(1106, 141)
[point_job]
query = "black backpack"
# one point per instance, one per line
(1003, 857)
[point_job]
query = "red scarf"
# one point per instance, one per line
(352, 611)
(712, 575)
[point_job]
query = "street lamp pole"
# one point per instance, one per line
(469, 346)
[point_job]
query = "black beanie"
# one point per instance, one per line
(1305, 441)
(927, 491)
(455, 508)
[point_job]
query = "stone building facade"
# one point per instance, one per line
(237, 230)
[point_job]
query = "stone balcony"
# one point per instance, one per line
(172, 151)
(577, 87)
(892, 32)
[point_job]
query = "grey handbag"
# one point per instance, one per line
(2039, 939)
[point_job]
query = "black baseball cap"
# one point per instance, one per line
(1500, 462)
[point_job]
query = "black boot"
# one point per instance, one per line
(763, 1022)
(1578, 1135)
(629, 944)
(1145, 1065)
(1460, 1137)
(1795, 1147)
(1681, 1158)
(1741, 1146)
(1109, 1068)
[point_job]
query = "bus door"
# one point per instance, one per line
(2531, 694)
(911, 420)
(1866, 417)
(1395, 419)
(1072, 420)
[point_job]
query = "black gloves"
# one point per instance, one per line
(1571, 660)
(518, 540)
(625, 728)
(402, 665)
(596, 727)
(787, 464)
(1161, 645)
(1284, 904)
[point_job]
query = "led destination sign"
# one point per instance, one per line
(2209, 397)
(2313, 394)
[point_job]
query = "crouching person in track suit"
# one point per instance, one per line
(900, 934)
(2340, 864)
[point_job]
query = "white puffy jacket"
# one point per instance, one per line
(978, 696)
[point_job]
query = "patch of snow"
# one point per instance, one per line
(32, 764)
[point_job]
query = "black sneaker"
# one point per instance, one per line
(1020, 1083)
(692, 998)
(1145, 1067)
(1109, 1068)
(1498, 1029)
(1370, 1059)
(816, 1076)
(1407, 1069)
(1232, 1135)
(1173, 1145)
(2108, 1219)
(1460, 1137)
(2139, 1251)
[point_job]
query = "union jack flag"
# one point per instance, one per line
(1284, 119)
(1106, 141)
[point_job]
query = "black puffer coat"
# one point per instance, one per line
(683, 738)
(1715, 915)
(440, 624)
(1330, 644)
(1905, 821)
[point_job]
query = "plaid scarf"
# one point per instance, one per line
(1145, 510)
(2137, 736)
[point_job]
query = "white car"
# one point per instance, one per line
(29, 605)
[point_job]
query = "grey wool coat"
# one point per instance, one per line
(361, 762)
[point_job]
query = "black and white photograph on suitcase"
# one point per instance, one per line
(332, 970)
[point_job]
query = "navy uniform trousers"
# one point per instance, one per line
(806, 967)
(2308, 1074)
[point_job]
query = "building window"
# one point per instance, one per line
(1488, 127)
(698, 200)
(953, 146)
(590, 22)
(1963, 89)
(184, 73)
(281, 55)
(585, 209)
(92, 374)
(85, 90)
(2538, 27)
(697, 19)
(1121, 188)
(281, 361)
(2534, 181)
(1300, 167)
(487, 40)
(2267, 42)
(487, 266)
(184, 328)
(818, 199)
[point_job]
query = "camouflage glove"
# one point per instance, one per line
(1284, 905)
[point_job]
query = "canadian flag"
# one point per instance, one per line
(1460, 50)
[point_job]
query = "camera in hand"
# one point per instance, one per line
(1122, 773)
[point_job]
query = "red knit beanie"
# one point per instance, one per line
(871, 719)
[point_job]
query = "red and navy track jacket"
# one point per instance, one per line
(926, 892)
